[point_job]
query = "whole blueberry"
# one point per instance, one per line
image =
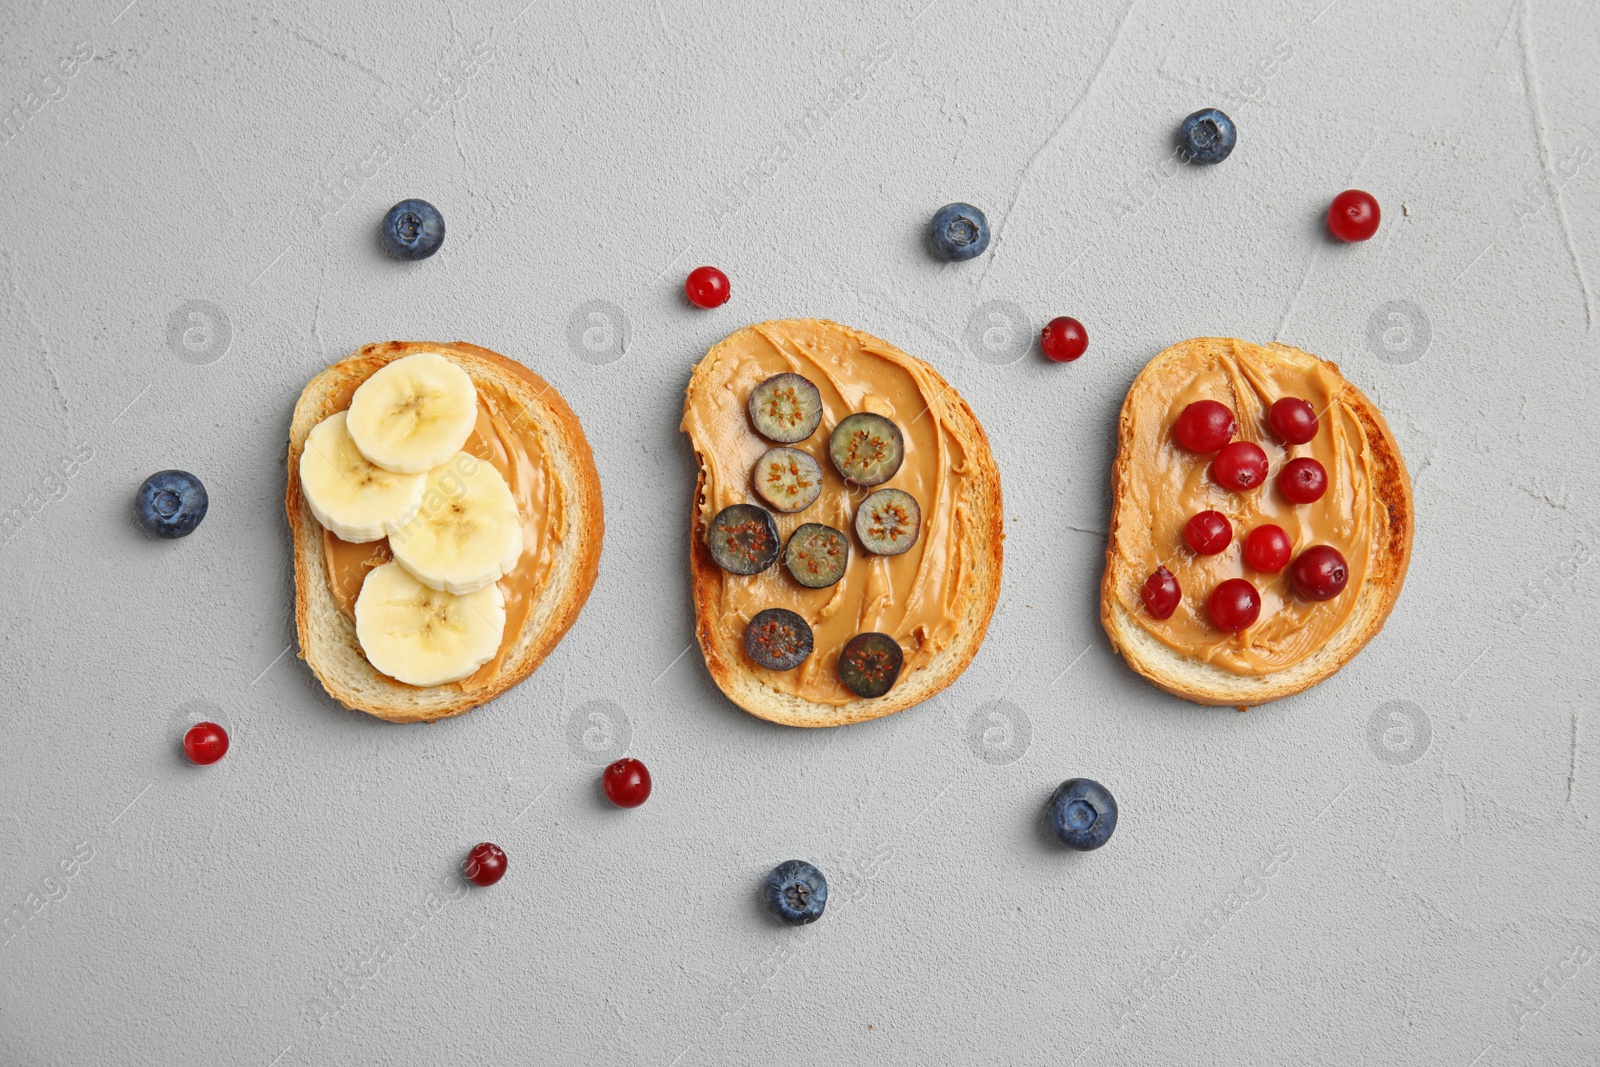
(413, 229)
(795, 892)
(959, 231)
(1207, 136)
(170, 504)
(1082, 812)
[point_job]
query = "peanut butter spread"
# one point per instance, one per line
(514, 446)
(913, 597)
(1163, 485)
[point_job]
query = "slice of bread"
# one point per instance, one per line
(328, 637)
(1389, 489)
(976, 537)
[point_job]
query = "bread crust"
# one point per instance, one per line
(1205, 683)
(981, 537)
(327, 637)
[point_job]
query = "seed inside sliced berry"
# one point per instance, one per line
(788, 479)
(1161, 593)
(1203, 426)
(744, 539)
(888, 522)
(778, 639)
(817, 555)
(786, 408)
(867, 448)
(870, 664)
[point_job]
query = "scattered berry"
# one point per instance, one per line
(485, 864)
(1208, 136)
(1240, 466)
(1267, 549)
(1235, 604)
(1354, 215)
(205, 743)
(171, 504)
(1319, 573)
(959, 231)
(626, 782)
(1064, 339)
(1161, 594)
(1204, 426)
(1083, 813)
(1303, 480)
(1293, 420)
(707, 287)
(412, 229)
(795, 892)
(1208, 533)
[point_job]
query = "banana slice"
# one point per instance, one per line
(466, 534)
(347, 494)
(414, 414)
(422, 636)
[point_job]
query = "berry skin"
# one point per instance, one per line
(958, 232)
(1235, 604)
(1208, 533)
(1208, 136)
(1354, 215)
(1319, 573)
(485, 865)
(1161, 594)
(795, 893)
(1293, 420)
(626, 782)
(205, 743)
(171, 504)
(1303, 480)
(1204, 426)
(412, 229)
(707, 287)
(1083, 814)
(1267, 549)
(1064, 339)
(1241, 466)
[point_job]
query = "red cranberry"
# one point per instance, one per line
(1354, 215)
(1064, 339)
(1267, 549)
(1235, 604)
(1319, 573)
(205, 743)
(1303, 480)
(1161, 594)
(1240, 466)
(626, 782)
(485, 864)
(1203, 426)
(1208, 533)
(1293, 420)
(707, 287)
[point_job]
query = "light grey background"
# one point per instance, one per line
(1398, 866)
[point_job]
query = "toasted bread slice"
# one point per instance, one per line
(327, 635)
(1385, 489)
(967, 519)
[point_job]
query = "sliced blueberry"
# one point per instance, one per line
(959, 231)
(1207, 136)
(816, 555)
(870, 664)
(1083, 813)
(795, 892)
(778, 639)
(786, 408)
(888, 522)
(788, 479)
(171, 504)
(413, 229)
(866, 448)
(744, 539)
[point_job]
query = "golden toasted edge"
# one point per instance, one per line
(723, 646)
(327, 640)
(1203, 683)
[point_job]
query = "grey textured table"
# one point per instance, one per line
(1396, 866)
